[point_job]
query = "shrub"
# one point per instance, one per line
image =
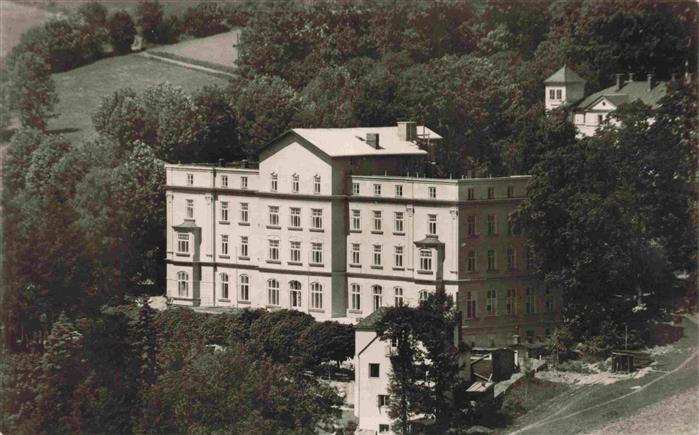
(204, 19)
(149, 15)
(122, 31)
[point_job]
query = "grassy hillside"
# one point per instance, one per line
(81, 90)
(15, 19)
(217, 49)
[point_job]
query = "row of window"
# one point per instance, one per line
(492, 260)
(398, 222)
(224, 181)
(431, 191)
(398, 252)
(377, 294)
(295, 183)
(510, 302)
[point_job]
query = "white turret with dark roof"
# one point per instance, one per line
(563, 88)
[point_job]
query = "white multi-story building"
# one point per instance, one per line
(328, 225)
(565, 88)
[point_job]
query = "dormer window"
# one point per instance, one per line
(295, 183)
(316, 184)
(274, 185)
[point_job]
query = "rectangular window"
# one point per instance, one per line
(432, 224)
(189, 209)
(244, 212)
(470, 305)
(243, 182)
(244, 246)
(600, 119)
(398, 296)
(384, 428)
(491, 303)
(224, 180)
(510, 306)
(383, 401)
(432, 192)
(511, 259)
(224, 245)
(295, 217)
(244, 288)
(224, 211)
(471, 261)
(552, 94)
(549, 300)
(471, 193)
(398, 222)
(510, 191)
(491, 260)
(274, 183)
(316, 296)
(426, 260)
(356, 302)
(317, 219)
(273, 216)
(355, 253)
(398, 256)
(183, 243)
(355, 188)
(316, 184)
(356, 220)
(559, 94)
(295, 183)
(530, 305)
(377, 255)
(492, 225)
(491, 193)
(273, 254)
(190, 179)
(377, 221)
(399, 190)
(295, 254)
(373, 370)
(377, 189)
(317, 253)
(471, 226)
(273, 292)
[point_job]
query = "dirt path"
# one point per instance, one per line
(185, 64)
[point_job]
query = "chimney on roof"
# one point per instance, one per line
(618, 81)
(407, 130)
(650, 82)
(630, 77)
(372, 139)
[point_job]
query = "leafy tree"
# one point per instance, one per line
(279, 334)
(32, 92)
(149, 15)
(120, 117)
(605, 216)
(399, 325)
(170, 122)
(329, 341)
(204, 19)
(215, 129)
(94, 13)
(265, 107)
(121, 31)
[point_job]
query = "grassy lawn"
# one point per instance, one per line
(583, 398)
(217, 49)
(81, 90)
(15, 19)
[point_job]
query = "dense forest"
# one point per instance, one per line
(83, 223)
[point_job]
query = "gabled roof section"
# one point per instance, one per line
(351, 142)
(630, 92)
(563, 76)
(369, 323)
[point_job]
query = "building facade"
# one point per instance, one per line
(565, 88)
(329, 226)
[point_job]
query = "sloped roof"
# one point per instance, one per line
(431, 241)
(629, 92)
(564, 75)
(351, 142)
(369, 322)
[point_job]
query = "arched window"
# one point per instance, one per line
(244, 288)
(183, 284)
(398, 296)
(295, 294)
(422, 296)
(224, 286)
(377, 293)
(273, 292)
(317, 296)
